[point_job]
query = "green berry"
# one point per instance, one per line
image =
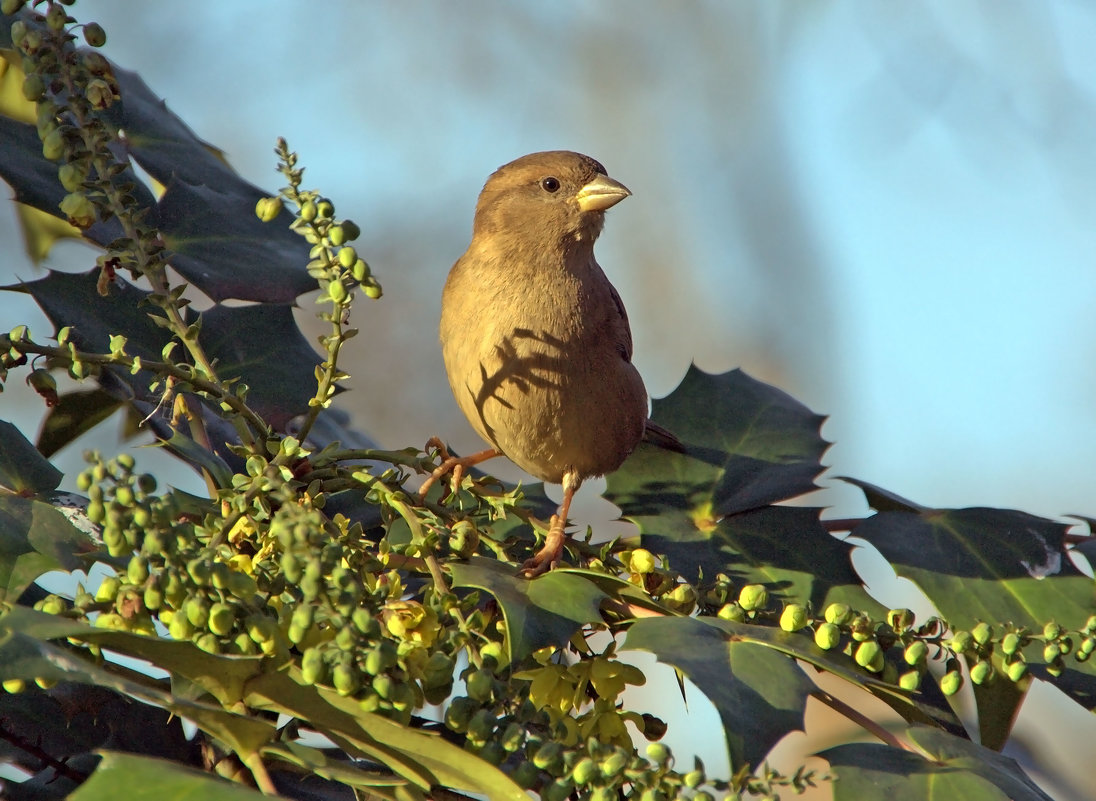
(372, 291)
(11, 7)
(108, 589)
(558, 790)
(584, 772)
(459, 714)
(196, 610)
(753, 597)
(642, 561)
(658, 753)
(1010, 643)
(981, 672)
(180, 628)
(222, 616)
(951, 682)
(53, 146)
(325, 209)
(360, 271)
(94, 35)
(336, 290)
(731, 612)
(547, 755)
(347, 257)
(78, 209)
(308, 211)
(313, 666)
(56, 18)
(910, 680)
(869, 655)
(336, 234)
(492, 753)
(614, 765)
(961, 642)
(1017, 670)
(916, 653)
(345, 679)
(480, 684)
(982, 633)
(793, 618)
(693, 779)
(72, 176)
(1052, 631)
(261, 629)
(838, 614)
(900, 619)
(827, 636)
(267, 208)
(525, 775)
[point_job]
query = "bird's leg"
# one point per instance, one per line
(453, 464)
(548, 556)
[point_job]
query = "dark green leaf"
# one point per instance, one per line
(951, 768)
(74, 415)
(26, 653)
(71, 720)
(710, 510)
(221, 247)
(882, 500)
(140, 778)
(321, 764)
(747, 445)
(996, 565)
(160, 141)
(920, 707)
(262, 346)
(760, 693)
(223, 677)
(33, 178)
(23, 468)
(543, 611)
(35, 538)
(984, 564)
(424, 759)
(71, 299)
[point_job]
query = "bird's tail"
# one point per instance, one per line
(662, 437)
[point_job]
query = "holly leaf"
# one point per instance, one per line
(760, 693)
(711, 509)
(23, 468)
(543, 611)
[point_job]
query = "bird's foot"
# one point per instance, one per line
(549, 555)
(452, 464)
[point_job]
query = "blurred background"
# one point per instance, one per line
(885, 209)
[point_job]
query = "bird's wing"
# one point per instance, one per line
(625, 329)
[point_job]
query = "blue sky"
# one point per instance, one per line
(884, 208)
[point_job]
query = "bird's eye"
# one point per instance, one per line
(549, 184)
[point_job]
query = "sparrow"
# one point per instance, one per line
(535, 339)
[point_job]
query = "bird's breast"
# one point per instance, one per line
(539, 370)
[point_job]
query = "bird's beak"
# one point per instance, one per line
(601, 193)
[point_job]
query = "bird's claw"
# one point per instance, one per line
(547, 558)
(451, 464)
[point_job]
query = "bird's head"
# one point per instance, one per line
(547, 198)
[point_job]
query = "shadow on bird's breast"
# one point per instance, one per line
(523, 365)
